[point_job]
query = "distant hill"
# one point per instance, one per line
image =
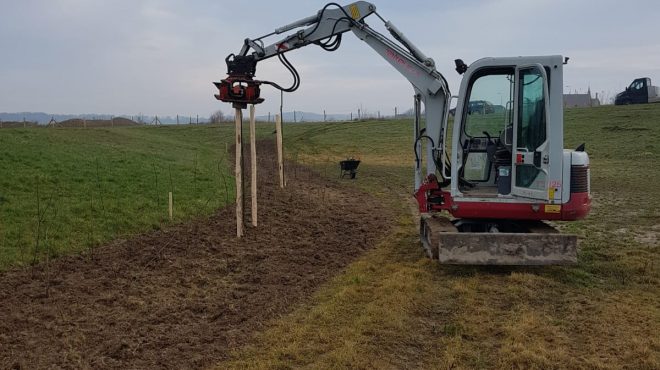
(44, 118)
(115, 122)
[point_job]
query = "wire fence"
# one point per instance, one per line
(13, 120)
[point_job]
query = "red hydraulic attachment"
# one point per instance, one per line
(430, 197)
(239, 88)
(239, 91)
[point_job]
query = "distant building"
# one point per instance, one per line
(581, 100)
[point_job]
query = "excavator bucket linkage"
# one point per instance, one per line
(239, 88)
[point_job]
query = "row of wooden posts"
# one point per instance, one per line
(238, 120)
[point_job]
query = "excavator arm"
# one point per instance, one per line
(325, 29)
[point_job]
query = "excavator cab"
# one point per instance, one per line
(511, 148)
(504, 132)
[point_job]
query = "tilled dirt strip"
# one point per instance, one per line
(185, 296)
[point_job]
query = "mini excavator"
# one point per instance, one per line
(485, 194)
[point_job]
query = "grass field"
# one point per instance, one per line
(393, 307)
(68, 190)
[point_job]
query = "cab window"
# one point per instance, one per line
(489, 106)
(532, 125)
(531, 113)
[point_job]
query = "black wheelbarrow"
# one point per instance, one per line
(348, 168)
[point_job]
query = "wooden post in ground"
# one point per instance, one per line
(238, 120)
(280, 154)
(171, 206)
(253, 160)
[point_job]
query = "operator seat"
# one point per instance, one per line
(503, 153)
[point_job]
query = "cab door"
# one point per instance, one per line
(642, 92)
(530, 134)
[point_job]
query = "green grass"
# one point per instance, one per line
(68, 190)
(394, 308)
(493, 123)
(619, 239)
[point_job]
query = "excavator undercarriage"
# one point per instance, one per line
(495, 242)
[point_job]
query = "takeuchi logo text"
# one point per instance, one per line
(398, 60)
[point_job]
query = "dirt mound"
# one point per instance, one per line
(15, 124)
(185, 296)
(115, 122)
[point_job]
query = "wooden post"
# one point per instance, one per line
(280, 155)
(171, 208)
(253, 160)
(238, 120)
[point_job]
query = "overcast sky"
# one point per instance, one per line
(160, 57)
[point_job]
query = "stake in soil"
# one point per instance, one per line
(253, 160)
(239, 172)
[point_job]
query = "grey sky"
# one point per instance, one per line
(160, 57)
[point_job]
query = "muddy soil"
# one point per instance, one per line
(185, 296)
